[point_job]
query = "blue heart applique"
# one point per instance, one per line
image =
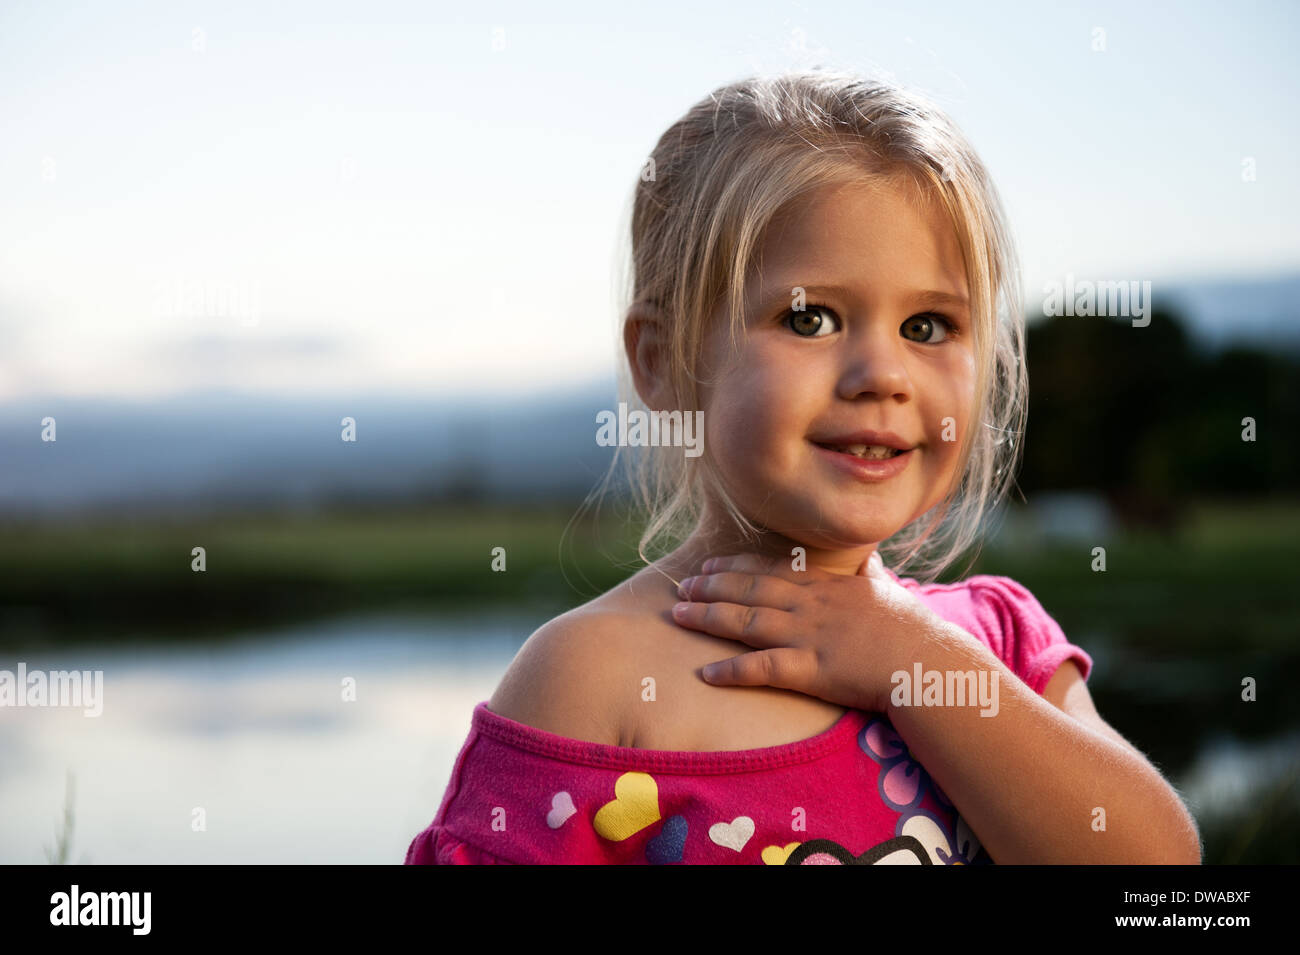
(668, 845)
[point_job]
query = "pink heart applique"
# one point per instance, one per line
(561, 809)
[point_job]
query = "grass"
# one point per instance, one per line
(61, 851)
(105, 577)
(1230, 567)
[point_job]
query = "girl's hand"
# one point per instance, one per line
(836, 637)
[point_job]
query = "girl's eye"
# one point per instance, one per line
(811, 323)
(924, 326)
(808, 322)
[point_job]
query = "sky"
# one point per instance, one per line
(423, 199)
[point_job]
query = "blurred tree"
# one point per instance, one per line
(1141, 417)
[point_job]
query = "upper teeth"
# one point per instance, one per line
(866, 450)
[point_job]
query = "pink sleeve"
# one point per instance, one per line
(512, 801)
(1033, 644)
(436, 846)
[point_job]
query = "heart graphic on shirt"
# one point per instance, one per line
(902, 850)
(668, 845)
(635, 805)
(561, 809)
(776, 855)
(734, 834)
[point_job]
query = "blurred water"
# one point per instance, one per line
(256, 733)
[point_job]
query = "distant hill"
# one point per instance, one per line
(218, 449)
(1260, 312)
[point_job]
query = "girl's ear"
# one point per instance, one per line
(645, 337)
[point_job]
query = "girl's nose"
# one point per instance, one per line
(874, 364)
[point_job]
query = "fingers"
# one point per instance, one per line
(786, 667)
(758, 564)
(756, 626)
(741, 588)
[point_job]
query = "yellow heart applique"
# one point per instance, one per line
(635, 805)
(775, 855)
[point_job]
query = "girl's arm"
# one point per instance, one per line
(1045, 780)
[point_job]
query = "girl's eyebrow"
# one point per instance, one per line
(924, 298)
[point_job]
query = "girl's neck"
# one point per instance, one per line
(720, 539)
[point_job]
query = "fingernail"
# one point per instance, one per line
(684, 588)
(679, 609)
(710, 671)
(709, 564)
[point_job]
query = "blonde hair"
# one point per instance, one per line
(716, 179)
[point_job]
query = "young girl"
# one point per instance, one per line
(822, 268)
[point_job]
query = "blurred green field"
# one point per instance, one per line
(1232, 565)
(101, 578)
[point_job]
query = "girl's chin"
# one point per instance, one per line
(842, 534)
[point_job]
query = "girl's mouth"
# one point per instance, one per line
(889, 462)
(872, 452)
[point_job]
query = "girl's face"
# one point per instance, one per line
(874, 349)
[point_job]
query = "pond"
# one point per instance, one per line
(256, 734)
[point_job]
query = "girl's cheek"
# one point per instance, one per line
(964, 377)
(958, 390)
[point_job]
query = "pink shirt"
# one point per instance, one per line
(851, 795)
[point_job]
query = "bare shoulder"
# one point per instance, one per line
(568, 677)
(581, 676)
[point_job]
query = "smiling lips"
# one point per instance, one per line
(869, 452)
(867, 445)
(872, 464)
(886, 439)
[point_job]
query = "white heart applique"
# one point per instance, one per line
(734, 834)
(561, 809)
